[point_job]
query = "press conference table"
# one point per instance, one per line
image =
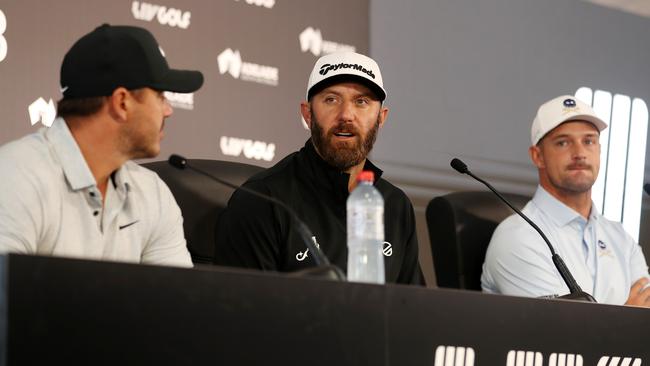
(64, 311)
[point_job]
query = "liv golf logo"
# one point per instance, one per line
(618, 191)
(311, 40)
(230, 62)
(164, 15)
(265, 3)
(180, 100)
(257, 150)
(3, 40)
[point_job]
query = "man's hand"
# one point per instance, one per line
(639, 293)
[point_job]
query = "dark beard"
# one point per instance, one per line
(342, 157)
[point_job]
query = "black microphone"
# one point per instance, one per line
(323, 266)
(646, 188)
(576, 292)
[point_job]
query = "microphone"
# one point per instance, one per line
(576, 292)
(323, 266)
(646, 188)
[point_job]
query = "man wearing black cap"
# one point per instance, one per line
(344, 111)
(71, 189)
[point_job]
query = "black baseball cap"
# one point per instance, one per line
(121, 56)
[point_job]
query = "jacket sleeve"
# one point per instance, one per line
(410, 272)
(248, 232)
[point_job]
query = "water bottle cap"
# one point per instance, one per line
(366, 176)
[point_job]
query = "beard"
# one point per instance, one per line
(136, 144)
(342, 155)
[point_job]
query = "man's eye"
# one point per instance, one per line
(363, 101)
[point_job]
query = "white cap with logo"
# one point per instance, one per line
(559, 110)
(345, 66)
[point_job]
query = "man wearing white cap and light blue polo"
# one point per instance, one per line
(344, 111)
(604, 259)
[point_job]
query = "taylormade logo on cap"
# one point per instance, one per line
(346, 66)
(327, 68)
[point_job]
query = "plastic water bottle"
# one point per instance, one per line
(365, 225)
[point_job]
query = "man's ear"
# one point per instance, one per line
(305, 111)
(383, 115)
(119, 104)
(537, 156)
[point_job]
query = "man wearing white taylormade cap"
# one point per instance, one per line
(604, 259)
(344, 111)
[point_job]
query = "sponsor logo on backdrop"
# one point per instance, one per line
(454, 356)
(265, 3)
(618, 191)
(311, 40)
(254, 150)
(42, 111)
(3, 40)
(166, 16)
(619, 361)
(180, 100)
(231, 62)
(565, 359)
(524, 358)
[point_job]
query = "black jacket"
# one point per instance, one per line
(254, 233)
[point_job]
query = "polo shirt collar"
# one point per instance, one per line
(560, 213)
(75, 168)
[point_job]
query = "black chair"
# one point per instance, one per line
(460, 227)
(201, 199)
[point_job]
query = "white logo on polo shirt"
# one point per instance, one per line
(3, 40)
(41, 111)
(230, 61)
(312, 40)
(166, 16)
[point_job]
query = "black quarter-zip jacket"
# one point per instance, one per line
(254, 233)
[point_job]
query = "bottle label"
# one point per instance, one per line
(367, 224)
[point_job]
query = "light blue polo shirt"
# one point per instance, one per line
(601, 255)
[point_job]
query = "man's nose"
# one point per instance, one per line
(167, 108)
(346, 112)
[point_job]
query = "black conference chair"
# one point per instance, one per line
(201, 199)
(460, 227)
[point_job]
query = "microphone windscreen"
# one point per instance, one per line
(458, 165)
(177, 161)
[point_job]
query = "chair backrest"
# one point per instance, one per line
(460, 227)
(201, 199)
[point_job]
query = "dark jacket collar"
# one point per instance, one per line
(328, 177)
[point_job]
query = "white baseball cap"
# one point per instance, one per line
(339, 67)
(559, 110)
